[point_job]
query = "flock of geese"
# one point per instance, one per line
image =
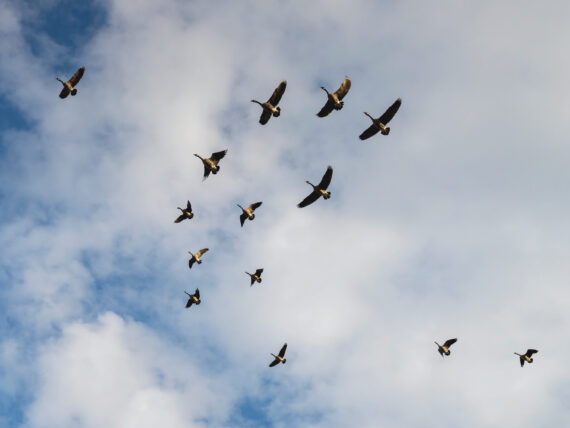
(271, 109)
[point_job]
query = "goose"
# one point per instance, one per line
(69, 86)
(527, 356)
(193, 298)
(334, 100)
(255, 277)
(248, 212)
(380, 123)
(444, 349)
(211, 163)
(196, 257)
(279, 358)
(319, 190)
(270, 107)
(186, 213)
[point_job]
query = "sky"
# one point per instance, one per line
(454, 225)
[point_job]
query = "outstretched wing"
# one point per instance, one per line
(197, 294)
(389, 114)
(259, 272)
(191, 262)
(327, 108)
(277, 94)
(372, 130)
(180, 218)
(282, 352)
(64, 92)
(265, 116)
(255, 206)
(449, 342)
(252, 280)
(189, 303)
(327, 177)
(242, 218)
(274, 362)
(218, 155)
(309, 199)
(522, 361)
(77, 76)
(206, 172)
(344, 88)
(529, 352)
(189, 206)
(202, 251)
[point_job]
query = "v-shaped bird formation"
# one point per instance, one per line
(270, 109)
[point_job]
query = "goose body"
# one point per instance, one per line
(186, 213)
(270, 106)
(334, 100)
(280, 358)
(247, 213)
(211, 163)
(380, 123)
(526, 357)
(255, 277)
(69, 86)
(196, 257)
(444, 349)
(193, 298)
(318, 190)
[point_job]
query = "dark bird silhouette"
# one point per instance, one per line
(248, 212)
(444, 349)
(193, 298)
(318, 190)
(334, 100)
(69, 86)
(211, 163)
(196, 257)
(527, 356)
(380, 123)
(279, 358)
(186, 213)
(270, 106)
(255, 277)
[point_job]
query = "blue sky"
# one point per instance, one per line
(455, 225)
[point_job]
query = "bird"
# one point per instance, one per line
(186, 213)
(444, 349)
(196, 257)
(211, 163)
(270, 107)
(255, 277)
(319, 190)
(69, 86)
(380, 123)
(279, 358)
(248, 212)
(527, 356)
(193, 298)
(334, 100)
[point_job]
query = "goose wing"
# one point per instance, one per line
(217, 156)
(206, 171)
(522, 361)
(189, 302)
(265, 116)
(327, 177)
(309, 199)
(191, 262)
(274, 362)
(259, 272)
(344, 88)
(369, 132)
(189, 206)
(64, 92)
(254, 206)
(282, 351)
(197, 294)
(180, 218)
(277, 94)
(202, 251)
(327, 108)
(449, 342)
(391, 112)
(252, 280)
(77, 76)
(529, 352)
(242, 218)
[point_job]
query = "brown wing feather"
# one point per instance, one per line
(344, 88)
(189, 206)
(242, 218)
(77, 76)
(254, 206)
(449, 342)
(180, 218)
(274, 362)
(372, 130)
(326, 180)
(277, 94)
(265, 116)
(218, 155)
(392, 110)
(202, 251)
(327, 108)
(309, 199)
(529, 352)
(259, 272)
(282, 351)
(64, 92)
(197, 293)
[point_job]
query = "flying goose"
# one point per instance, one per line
(380, 123)
(279, 358)
(211, 163)
(334, 100)
(196, 257)
(270, 107)
(193, 298)
(186, 213)
(69, 86)
(248, 212)
(319, 190)
(444, 349)
(527, 357)
(255, 277)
